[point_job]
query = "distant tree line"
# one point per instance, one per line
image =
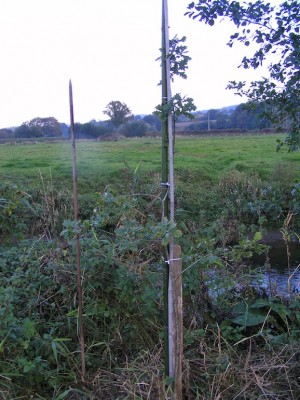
(35, 128)
(121, 122)
(246, 117)
(39, 127)
(136, 127)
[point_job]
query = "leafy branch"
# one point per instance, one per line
(178, 105)
(274, 30)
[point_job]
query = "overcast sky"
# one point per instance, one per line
(108, 49)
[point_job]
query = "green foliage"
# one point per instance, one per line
(133, 129)
(275, 30)
(272, 315)
(118, 112)
(6, 133)
(178, 57)
(153, 121)
(250, 116)
(28, 295)
(121, 238)
(13, 202)
(91, 130)
(39, 127)
(178, 105)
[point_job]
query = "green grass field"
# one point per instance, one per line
(102, 162)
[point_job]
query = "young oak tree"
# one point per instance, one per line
(179, 105)
(118, 112)
(274, 29)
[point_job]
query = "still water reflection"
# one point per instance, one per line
(275, 275)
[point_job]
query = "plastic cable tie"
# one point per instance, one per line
(172, 259)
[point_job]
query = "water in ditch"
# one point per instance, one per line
(279, 274)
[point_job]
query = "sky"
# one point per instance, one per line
(109, 50)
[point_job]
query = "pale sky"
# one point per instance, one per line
(108, 49)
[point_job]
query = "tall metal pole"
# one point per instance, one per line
(75, 201)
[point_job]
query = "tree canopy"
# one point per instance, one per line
(244, 117)
(39, 127)
(274, 30)
(153, 121)
(118, 112)
(133, 129)
(92, 130)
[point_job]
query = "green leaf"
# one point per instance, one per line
(29, 328)
(261, 303)
(257, 236)
(249, 319)
(177, 233)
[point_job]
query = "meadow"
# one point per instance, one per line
(241, 341)
(99, 163)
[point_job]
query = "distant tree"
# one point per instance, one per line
(64, 129)
(133, 129)
(25, 131)
(118, 112)
(153, 121)
(6, 133)
(250, 116)
(90, 130)
(274, 30)
(39, 127)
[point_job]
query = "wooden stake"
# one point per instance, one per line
(176, 273)
(78, 272)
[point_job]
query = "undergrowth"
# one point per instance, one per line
(239, 341)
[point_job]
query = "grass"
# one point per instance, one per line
(99, 163)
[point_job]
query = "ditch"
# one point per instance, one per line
(278, 272)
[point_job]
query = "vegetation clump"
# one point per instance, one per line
(238, 338)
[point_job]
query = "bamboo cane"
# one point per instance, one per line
(174, 285)
(171, 192)
(165, 189)
(78, 267)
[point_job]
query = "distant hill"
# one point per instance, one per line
(226, 118)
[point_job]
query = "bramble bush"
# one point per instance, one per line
(121, 242)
